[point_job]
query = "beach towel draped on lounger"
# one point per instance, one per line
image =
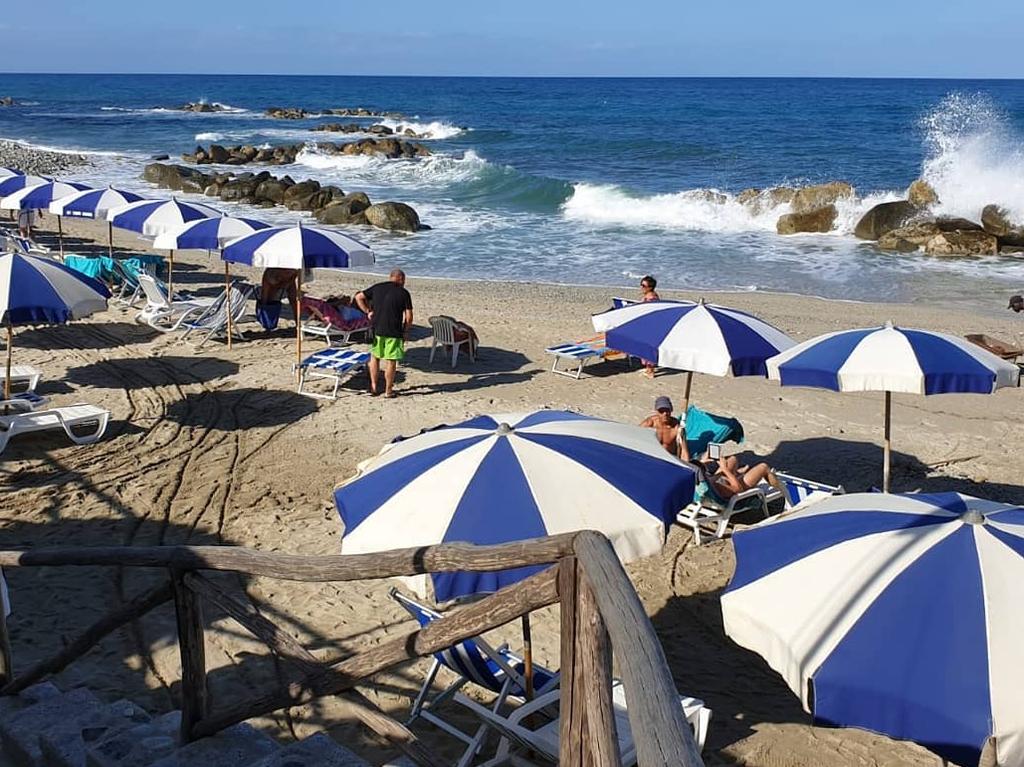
(703, 428)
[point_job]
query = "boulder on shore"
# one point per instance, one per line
(996, 221)
(394, 216)
(287, 113)
(760, 200)
(922, 194)
(962, 243)
(176, 177)
(817, 196)
(346, 210)
(885, 217)
(818, 220)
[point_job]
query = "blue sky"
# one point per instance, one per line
(895, 38)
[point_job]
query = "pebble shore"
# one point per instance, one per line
(38, 161)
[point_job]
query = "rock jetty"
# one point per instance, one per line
(377, 130)
(299, 113)
(40, 162)
(202, 106)
(328, 203)
(6, 101)
(285, 154)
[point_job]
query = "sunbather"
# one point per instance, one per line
(665, 425)
(647, 289)
(344, 306)
(729, 478)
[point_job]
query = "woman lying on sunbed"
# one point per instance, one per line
(337, 311)
(725, 475)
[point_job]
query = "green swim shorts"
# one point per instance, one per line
(387, 348)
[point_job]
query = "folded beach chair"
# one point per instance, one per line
(337, 329)
(450, 332)
(495, 669)
(22, 374)
(332, 364)
(69, 419)
(580, 353)
(163, 314)
(527, 730)
(212, 321)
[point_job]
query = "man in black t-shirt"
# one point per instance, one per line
(389, 307)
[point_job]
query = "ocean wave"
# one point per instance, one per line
(974, 157)
(436, 130)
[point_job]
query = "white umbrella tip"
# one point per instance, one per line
(972, 517)
(504, 428)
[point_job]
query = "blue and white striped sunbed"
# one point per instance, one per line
(577, 353)
(335, 364)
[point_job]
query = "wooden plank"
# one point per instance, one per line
(594, 684)
(300, 567)
(192, 648)
(289, 650)
(570, 734)
(660, 731)
(126, 613)
(489, 613)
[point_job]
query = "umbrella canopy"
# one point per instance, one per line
(6, 172)
(298, 247)
(892, 359)
(39, 196)
(207, 233)
(19, 181)
(153, 217)
(93, 203)
(896, 613)
(502, 478)
(36, 290)
(698, 337)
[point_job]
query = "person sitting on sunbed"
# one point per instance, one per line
(337, 311)
(726, 478)
(665, 425)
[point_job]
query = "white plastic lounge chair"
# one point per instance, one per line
(213, 320)
(23, 402)
(332, 364)
(66, 418)
(471, 661)
(334, 330)
(709, 516)
(445, 335)
(30, 247)
(22, 374)
(541, 737)
(162, 314)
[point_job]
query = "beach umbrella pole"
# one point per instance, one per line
(528, 657)
(7, 379)
(227, 295)
(686, 393)
(298, 323)
(110, 239)
(170, 276)
(60, 237)
(887, 449)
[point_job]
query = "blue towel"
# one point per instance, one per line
(704, 428)
(91, 267)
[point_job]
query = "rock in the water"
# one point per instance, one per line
(962, 243)
(916, 235)
(884, 218)
(287, 113)
(160, 157)
(954, 224)
(202, 106)
(996, 220)
(922, 194)
(218, 154)
(344, 210)
(176, 177)
(272, 190)
(394, 216)
(6, 101)
(811, 198)
(817, 220)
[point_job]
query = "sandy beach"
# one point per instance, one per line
(215, 446)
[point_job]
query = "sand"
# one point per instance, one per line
(209, 446)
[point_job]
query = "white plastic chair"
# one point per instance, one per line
(542, 740)
(162, 314)
(66, 418)
(444, 335)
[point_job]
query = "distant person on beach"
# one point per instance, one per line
(1016, 303)
(277, 281)
(26, 219)
(665, 425)
(389, 307)
(647, 292)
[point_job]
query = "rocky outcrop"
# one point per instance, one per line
(818, 196)
(375, 130)
(285, 154)
(817, 220)
(996, 221)
(885, 217)
(299, 113)
(962, 243)
(202, 106)
(6, 101)
(288, 113)
(919, 233)
(329, 204)
(760, 200)
(922, 194)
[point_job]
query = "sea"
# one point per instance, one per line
(595, 181)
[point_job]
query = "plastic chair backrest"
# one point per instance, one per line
(443, 328)
(154, 295)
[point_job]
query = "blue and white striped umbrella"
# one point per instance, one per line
(299, 247)
(892, 359)
(502, 478)
(899, 614)
(19, 181)
(207, 233)
(39, 196)
(697, 337)
(6, 172)
(153, 217)
(93, 203)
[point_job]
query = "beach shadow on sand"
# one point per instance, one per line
(136, 373)
(493, 367)
(84, 335)
(240, 409)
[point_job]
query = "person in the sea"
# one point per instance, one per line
(1016, 303)
(389, 307)
(648, 293)
(665, 425)
(277, 281)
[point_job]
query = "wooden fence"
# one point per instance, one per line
(600, 614)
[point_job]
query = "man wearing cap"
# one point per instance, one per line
(665, 425)
(1016, 303)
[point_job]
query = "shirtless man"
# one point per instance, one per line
(664, 424)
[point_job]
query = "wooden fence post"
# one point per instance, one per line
(191, 645)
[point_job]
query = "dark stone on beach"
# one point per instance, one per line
(884, 218)
(380, 130)
(393, 216)
(264, 155)
(176, 177)
(915, 235)
(218, 154)
(300, 196)
(996, 221)
(817, 220)
(238, 191)
(160, 157)
(962, 243)
(272, 190)
(344, 210)
(922, 194)
(759, 200)
(813, 198)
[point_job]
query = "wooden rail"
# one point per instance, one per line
(600, 614)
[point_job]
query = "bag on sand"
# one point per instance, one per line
(268, 314)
